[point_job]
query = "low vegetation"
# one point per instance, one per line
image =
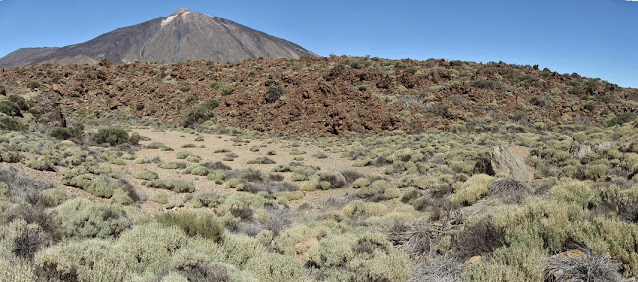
(501, 196)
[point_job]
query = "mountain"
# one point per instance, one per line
(182, 36)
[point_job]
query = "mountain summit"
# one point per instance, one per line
(184, 35)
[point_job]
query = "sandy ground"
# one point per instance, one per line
(214, 142)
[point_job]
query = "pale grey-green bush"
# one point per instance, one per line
(81, 218)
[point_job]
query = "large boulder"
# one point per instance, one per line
(48, 109)
(578, 150)
(512, 160)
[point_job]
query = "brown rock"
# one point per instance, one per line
(512, 160)
(579, 151)
(3, 91)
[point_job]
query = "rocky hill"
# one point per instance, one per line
(334, 96)
(184, 35)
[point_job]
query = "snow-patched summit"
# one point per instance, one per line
(184, 35)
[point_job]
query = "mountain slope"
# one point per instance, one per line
(334, 96)
(184, 35)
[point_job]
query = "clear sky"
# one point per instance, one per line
(595, 38)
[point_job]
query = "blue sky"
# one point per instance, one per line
(595, 38)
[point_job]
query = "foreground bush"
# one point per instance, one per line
(85, 219)
(368, 256)
(474, 189)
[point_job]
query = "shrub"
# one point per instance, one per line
(472, 190)
(274, 93)
(227, 90)
(111, 135)
(65, 133)
(575, 191)
(11, 270)
(33, 85)
(135, 138)
(576, 90)
(177, 186)
(270, 187)
(85, 219)
(102, 186)
(349, 257)
(200, 114)
(146, 175)
(10, 109)
(159, 198)
(485, 84)
(510, 190)
(275, 267)
(20, 188)
(26, 239)
(173, 165)
(194, 224)
(209, 200)
(11, 124)
(183, 155)
(262, 160)
(88, 260)
(622, 118)
(478, 239)
(325, 180)
(216, 166)
(440, 270)
(596, 171)
(588, 268)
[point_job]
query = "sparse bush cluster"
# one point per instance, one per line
(115, 136)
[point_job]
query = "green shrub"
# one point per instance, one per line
(10, 109)
(351, 257)
(596, 171)
(274, 93)
(18, 101)
(88, 260)
(622, 118)
(111, 135)
(135, 138)
(33, 85)
(146, 175)
(194, 224)
(227, 90)
(474, 189)
(325, 180)
(65, 133)
(262, 160)
(16, 271)
(486, 84)
(183, 155)
(275, 267)
(200, 114)
(159, 198)
(11, 124)
(85, 219)
(177, 186)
